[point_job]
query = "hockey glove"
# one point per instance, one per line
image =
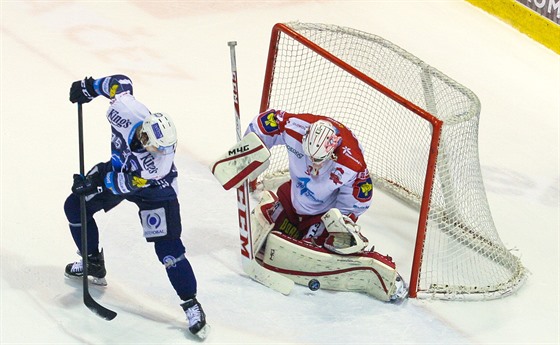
(344, 234)
(82, 91)
(91, 184)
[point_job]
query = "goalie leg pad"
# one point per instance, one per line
(368, 272)
(262, 219)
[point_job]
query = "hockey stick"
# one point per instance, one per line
(88, 300)
(250, 266)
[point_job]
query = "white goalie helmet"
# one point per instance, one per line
(158, 133)
(320, 140)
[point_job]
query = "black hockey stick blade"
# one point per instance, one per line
(98, 309)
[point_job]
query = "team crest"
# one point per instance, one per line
(336, 176)
(268, 122)
(363, 190)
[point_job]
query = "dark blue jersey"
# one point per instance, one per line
(133, 169)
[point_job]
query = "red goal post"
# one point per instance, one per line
(419, 130)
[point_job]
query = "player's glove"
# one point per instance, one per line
(82, 91)
(90, 184)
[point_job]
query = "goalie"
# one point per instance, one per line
(327, 170)
(310, 221)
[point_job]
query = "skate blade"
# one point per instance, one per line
(203, 333)
(399, 300)
(93, 280)
(98, 281)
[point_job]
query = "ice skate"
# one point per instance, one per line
(196, 318)
(401, 290)
(96, 269)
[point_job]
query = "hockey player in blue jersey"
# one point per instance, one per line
(141, 170)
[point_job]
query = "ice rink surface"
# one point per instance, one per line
(177, 55)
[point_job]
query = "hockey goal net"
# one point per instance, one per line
(419, 129)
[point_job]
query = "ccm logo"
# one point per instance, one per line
(246, 245)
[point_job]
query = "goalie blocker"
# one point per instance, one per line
(244, 160)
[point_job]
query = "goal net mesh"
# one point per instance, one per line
(419, 131)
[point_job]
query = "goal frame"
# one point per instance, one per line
(435, 123)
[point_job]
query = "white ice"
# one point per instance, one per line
(177, 55)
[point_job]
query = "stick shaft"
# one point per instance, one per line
(243, 207)
(232, 45)
(83, 216)
(88, 300)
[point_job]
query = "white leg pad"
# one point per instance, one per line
(260, 224)
(368, 272)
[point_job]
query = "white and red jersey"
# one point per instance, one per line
(342, 183)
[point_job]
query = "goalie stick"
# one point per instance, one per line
(95, 307)
(250, 266)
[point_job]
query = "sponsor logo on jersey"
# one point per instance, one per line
(148, 163)
(121, 183)
(294, 151)
(116, 120)
(105, 85)
(268, 123)
(363, 190)
(361, 207)
(336, 175)
(154, 222)
(302, 185)
(289, 229)
(348, 153)
(362, 175)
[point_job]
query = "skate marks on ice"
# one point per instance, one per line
(57, 301)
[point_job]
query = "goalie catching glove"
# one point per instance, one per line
(344, 234)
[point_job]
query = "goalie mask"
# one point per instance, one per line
(158, 134)
(320, 141)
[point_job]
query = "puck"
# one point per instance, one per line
(314, 285)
